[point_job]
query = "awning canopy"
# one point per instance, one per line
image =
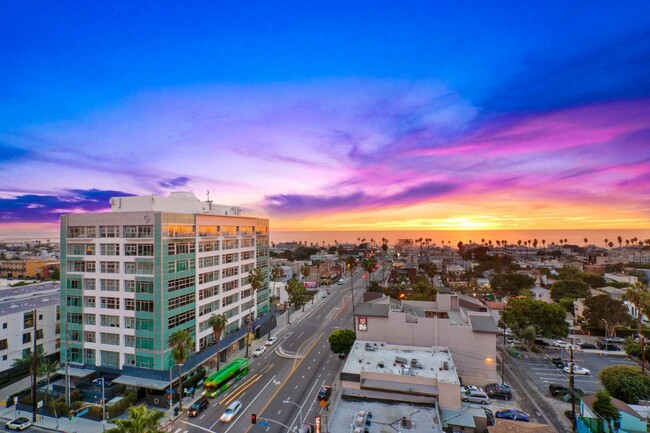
(76, 372)
(142, 382)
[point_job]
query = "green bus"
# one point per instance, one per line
(221, 380)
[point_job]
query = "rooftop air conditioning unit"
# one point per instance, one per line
(445, 365)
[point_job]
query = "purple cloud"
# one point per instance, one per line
(32, 208)
(177, 182)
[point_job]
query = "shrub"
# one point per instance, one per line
(625, 383)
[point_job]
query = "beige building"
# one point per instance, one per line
(30, 268)
(470, 336)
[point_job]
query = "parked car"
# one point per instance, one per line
(259, 351)
(616, 340)
(324, 393)
(231, 412)
(464, 389)
(541, 343)
(561, 344)
(199, 406)
(271, 341)
(512, 414)
(502, 392)
(608, 347)
(576, 369)
(19, 424)
(587, 346)
(491, 386)
(474, 396)
(557, 390)
(559, 362)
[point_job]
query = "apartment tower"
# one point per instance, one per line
(132, 277)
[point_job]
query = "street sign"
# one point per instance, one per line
(82, 412)
(323, 403)
(39, 404)
(170, 391)
(263, 423)
(16, 400)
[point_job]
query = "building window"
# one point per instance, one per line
(28, 319)
(89, 356)
(144, 361)
(88, 284)
(110, 249)
(112, 321)
(109, 231)
(180, 301)
(129, 322)
(27, 337)
(144, 325)
(110, 303)
(129, 286)
(4, 344)
(110, 267)
(129, 340)
(110, 285)
(112, 339)
(144, 343)
(89, 337)
(39, 334)
(146, 306)
(180, 319)
(129, 359)
(110, 359)
(129, 304)
(4, 325)
(89, 319)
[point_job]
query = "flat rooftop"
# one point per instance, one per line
(25, 298)
(392, 359)
(386, 418)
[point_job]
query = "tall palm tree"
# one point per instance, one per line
(256, 280)
(384, 248)
(606, 242)
(305, 270)
(639, 295)
(218, 322)
(369, 265)
(140, 420)
(351, 264)
(277, 273)
(181, 342)
(620, 241)
(586, 240)
(29, 363)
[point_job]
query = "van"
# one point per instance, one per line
(231, 411)
(198, 407)
(475, 396)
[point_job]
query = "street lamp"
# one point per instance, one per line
(299, 409)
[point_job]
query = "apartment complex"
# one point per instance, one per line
(132, 277)
(19, 306)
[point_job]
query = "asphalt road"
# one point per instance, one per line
(292, 370)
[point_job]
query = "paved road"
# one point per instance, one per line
(299, 364)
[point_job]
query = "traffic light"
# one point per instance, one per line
(253, 418)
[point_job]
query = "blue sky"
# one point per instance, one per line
(345, 113)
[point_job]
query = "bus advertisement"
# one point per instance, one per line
(221, 380)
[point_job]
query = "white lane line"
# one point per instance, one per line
(249, 405)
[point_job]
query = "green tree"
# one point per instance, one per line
(548, 319)
(305, 270)
(218, 322)
(375, 287)
(140, 420)
(570, 273)
(567, 304)
(604, 408)
(431, 270)
(527, 334)
(594, 281)
(639, 295)
(510, 284)
(296, 291)
(341, 340)
(625, 383)
(569, 289)
(602, 307)
(181, 342)
(368, 266)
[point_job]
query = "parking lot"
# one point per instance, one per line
(542, 372)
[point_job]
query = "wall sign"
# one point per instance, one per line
(363, 324)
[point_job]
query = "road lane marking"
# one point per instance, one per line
(240, 391)
(195, 425)
(249, 404)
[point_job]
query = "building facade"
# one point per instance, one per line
(132, 277)
(19, 306)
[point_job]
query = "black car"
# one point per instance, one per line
(557, 390)
(504, 393)
(559, 362)
(324, 393)
(541, 343)
(587, 346)
(608, 347)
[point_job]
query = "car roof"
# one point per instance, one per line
(234, 404)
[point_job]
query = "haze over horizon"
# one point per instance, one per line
(364, 116)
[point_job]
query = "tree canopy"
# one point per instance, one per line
(569, 289)
(604, 408)
(602, 307)
(510, 284)
(625, 383)
(140, 420)
(548, 319)
(341, 340)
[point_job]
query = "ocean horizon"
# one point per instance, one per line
(449, 237)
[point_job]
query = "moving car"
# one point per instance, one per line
(259, 351)
(324, 393)
(231, 411)
(512, 414)
(341, 282)
(576, 369)
(19, 424)
(271, 341)
(474, 396)
(199, 406)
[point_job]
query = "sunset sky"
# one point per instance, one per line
(350, 115)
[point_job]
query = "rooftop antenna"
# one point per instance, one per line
(209, 201)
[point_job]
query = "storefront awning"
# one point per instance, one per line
(77, 372)
(142, 382)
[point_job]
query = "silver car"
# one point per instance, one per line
(231, 412)
(475, 396)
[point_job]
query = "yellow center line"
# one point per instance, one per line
(241, 389)
(296, 364)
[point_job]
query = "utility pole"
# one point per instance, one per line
(503, 357)
(571, 386)
(34, 368)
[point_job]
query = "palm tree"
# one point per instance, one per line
(544, 243)
(620, 241)
(606, 242)
(639, 295)
(351, 264)
(277, 273)
(29, 363)
(611, 244)
(140, 420)
(256, 280)
(181, 341)
(384, 248)
(586, 240)
(218, 322)
(369, 265)
(305, 270)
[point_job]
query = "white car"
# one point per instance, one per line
(464, 389)
(560, 343)
(231, 411)
(576, 369)
(19, 424)
(271, 341)
(259, 351)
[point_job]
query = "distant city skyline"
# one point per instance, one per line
(359, 116)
